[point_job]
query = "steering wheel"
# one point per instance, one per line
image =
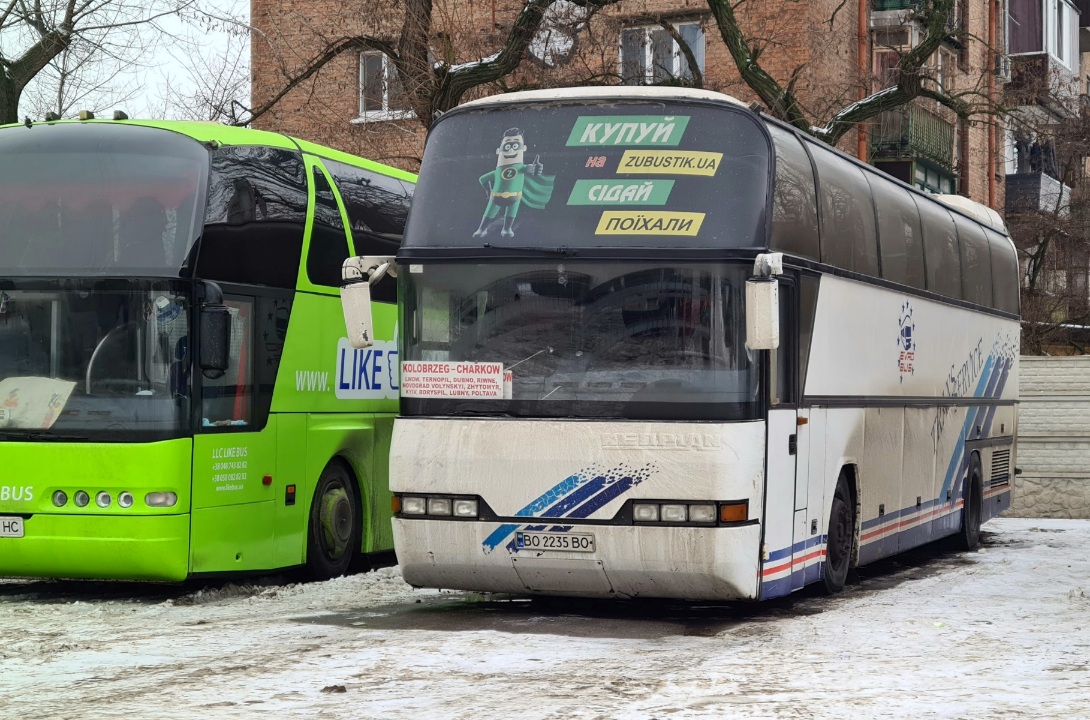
(108, 338)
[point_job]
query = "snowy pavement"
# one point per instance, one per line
(999, 633)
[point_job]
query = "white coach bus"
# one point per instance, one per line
(655, 344)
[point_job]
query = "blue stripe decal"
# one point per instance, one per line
(577, 496)
(602, 499)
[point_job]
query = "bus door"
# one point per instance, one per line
(233, 453)
(784, 522)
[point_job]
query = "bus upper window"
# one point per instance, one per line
(976, 262)
(87, 200)
(1006, 281)
(794, 203)
(257, 208)
(617, 174)
(847, 221)
(899, 236)
(328, 242)
(940, 244)
(377, 205)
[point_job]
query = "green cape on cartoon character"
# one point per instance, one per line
(513, 183)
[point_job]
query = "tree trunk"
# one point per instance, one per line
(9, 100)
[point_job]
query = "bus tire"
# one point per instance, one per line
(968, 538)
(840, 540)
(333, 531)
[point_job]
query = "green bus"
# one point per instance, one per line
(177, 395)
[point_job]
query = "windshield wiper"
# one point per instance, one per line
(562, 250)
(37, 435)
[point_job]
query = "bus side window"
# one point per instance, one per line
(941, 250)
(976, 262)
(794, 204)
(256, 214)
(227, 401)
(900, 238)
(1005, 278)
(784, 357)
(328, 241)
(377, 207)
(848, 237)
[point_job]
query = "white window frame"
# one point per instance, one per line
(385, 114)
(1063, 48)
(679, 63)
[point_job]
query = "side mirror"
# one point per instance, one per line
(358, 274)
(215, 331)
(762, 314)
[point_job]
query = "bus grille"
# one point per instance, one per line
(1001, 467)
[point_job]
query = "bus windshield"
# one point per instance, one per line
(95, 359)
(586, 339)
(610, 175)
(99, 199)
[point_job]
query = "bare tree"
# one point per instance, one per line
(74, 48)
(431, 84)
(915, 77)
(1049, 207)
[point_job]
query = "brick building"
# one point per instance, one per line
(836, 56)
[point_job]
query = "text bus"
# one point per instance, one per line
(176, 393)
(656, 344)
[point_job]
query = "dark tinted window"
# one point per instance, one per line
(976, 263)
(899, 236)
(328, 241)
(257, 207)
(79, 199)
(847, 214)
(377, 206)
(940, 243)
(794, 198)
(1005, 276)
(623, 173)
(808, 295)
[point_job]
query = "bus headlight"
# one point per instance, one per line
(60, 498)
(465, 508)
(645, 512)
(413, 505)
(438, 506)
(160, 499)
(674, 513)
(103, 499)
(81, 498)
(702, 513)
(125, 499)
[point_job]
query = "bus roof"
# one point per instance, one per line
(981, 213)
(604, 92)
(230, 135)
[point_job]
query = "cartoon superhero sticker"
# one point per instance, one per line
(513, 183)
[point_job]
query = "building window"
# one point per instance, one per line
(381, 94)
(649, 55)
(933, 180)
(944, 70)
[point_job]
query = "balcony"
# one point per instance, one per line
(879, 5)
(912, 132)
(1037, 192)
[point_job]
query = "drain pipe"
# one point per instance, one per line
(864, 72)
(990, 68)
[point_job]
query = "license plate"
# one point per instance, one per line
(11, 527)
(564, 542)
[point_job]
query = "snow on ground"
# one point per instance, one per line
(999, 633)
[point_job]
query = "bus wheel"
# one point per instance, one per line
(333, 533)
(841, 538)
(969, 536)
